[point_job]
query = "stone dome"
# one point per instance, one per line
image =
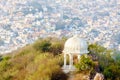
(76, 45)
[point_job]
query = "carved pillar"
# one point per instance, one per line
(71, 60)
(64, 60)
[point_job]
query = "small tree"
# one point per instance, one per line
(56, 48)
(42, 45)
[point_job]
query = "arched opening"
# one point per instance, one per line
(75, 59)
(68, 59)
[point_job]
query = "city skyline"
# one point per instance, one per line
(24, 21)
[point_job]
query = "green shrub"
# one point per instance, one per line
(85, 63)
(56, 48)
(4, 66)
(42, 45)
(112, 72)
(95, 48)
(116, 56)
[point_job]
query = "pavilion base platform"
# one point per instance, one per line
(68, 68)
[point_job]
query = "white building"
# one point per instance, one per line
(73, 46)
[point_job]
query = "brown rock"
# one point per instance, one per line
(99, 76)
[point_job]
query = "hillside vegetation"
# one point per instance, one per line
(38, 61)
(43, 60)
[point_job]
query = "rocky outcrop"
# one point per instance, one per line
(99, 76)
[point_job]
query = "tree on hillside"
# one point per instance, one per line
(42, 45)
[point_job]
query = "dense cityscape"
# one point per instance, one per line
(24, 21)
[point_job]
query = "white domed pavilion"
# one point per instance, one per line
(74, 46)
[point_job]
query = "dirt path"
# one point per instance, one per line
(71, 76)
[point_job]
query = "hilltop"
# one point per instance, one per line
(43, 60)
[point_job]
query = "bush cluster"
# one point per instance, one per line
(109, 64)
(85, 63)
(33, 62)
(49, 45)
